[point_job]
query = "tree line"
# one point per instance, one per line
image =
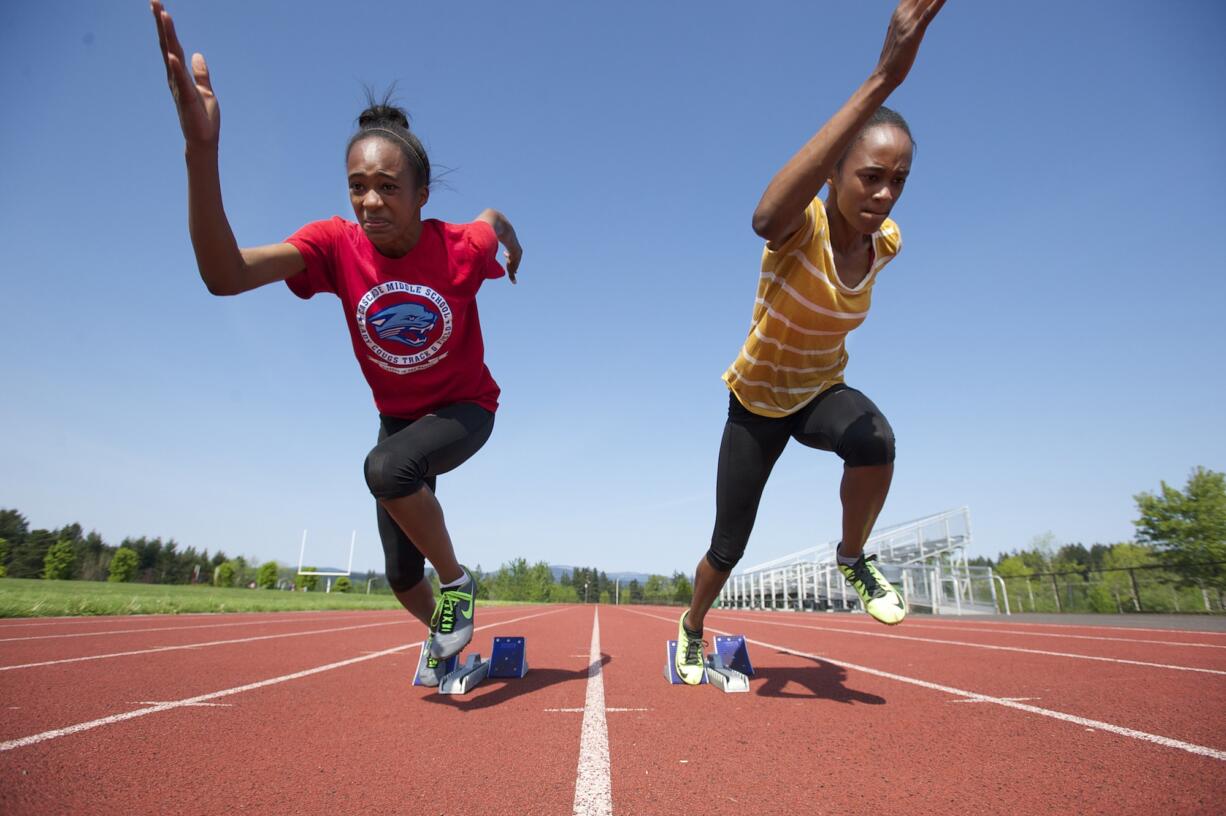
(1175, 563)
(519, 581)
(69, 553)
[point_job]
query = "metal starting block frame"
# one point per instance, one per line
(728, 668)
(466, 677)
(508, 658)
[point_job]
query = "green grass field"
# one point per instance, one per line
(22, 597)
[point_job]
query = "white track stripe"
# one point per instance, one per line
(1060, 635)
(69, 620)
(183, 646)
(178, 647)
(1098, 725)
(164, 629)
(1105, 628)
(989, 646)
(190, 701)
(593, 789)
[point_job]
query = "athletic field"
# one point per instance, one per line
(313, 712)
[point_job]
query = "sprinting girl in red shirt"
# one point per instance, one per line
(408, 290)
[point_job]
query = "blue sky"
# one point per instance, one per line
(1048, 344)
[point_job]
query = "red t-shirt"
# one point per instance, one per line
(413, 320)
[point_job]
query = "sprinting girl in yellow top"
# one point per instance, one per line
(819, 267)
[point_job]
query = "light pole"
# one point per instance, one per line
(617, 588)
(585, 591)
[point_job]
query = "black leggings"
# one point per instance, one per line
(410, 454)
(841, 419)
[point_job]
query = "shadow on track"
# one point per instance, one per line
(493, 692)
(824, 681)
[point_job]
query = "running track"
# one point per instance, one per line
(313, 713)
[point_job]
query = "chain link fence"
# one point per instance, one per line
(1146, 588)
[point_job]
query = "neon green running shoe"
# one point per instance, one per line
(451, 625)
(688, 660)
(880, 599)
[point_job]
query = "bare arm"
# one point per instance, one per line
(225, 269)
(506, 236)
(781, 211)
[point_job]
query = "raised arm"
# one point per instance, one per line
(781, 212)
(225, 269)
(506, 236)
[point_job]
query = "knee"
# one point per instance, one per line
(723, 561)
(403, 577)
(868, 441)
(389, 476)
(727, 548)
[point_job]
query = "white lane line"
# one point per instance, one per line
(1059, 635)
(1151, 630)
(593, 788)
(203, 698)
(69, 620)
(936, 623)
(989, 646)
(1098, 725)
(1013, 699)
(202, 705)
(162, 629)
(186, 646)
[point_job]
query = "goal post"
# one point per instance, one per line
(329, 574)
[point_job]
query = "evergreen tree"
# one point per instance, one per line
(13, 527)
(26, 559)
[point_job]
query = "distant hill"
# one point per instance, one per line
(625, 577)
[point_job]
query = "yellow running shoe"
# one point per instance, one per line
(688, 660)
(880, 599)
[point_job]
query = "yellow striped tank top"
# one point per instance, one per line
(801, 318)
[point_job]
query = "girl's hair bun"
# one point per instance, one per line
(382, 114)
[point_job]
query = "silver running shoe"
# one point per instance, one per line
(452, 623)
(430, 670)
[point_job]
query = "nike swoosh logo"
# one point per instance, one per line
(468, 615)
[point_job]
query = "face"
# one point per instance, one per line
(871, 178)
(384, 193)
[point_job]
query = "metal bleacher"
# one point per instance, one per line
(924, 558)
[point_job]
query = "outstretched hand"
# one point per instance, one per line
(199, 113)
(902, 40)
(512, 255)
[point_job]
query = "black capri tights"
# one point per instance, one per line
(841, 419)
(410, 454)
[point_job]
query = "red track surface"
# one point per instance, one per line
(843, 716)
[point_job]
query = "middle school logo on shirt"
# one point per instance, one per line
(404, 325)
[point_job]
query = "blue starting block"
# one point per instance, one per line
(728, 668)
(734, 653)
(508, 659)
